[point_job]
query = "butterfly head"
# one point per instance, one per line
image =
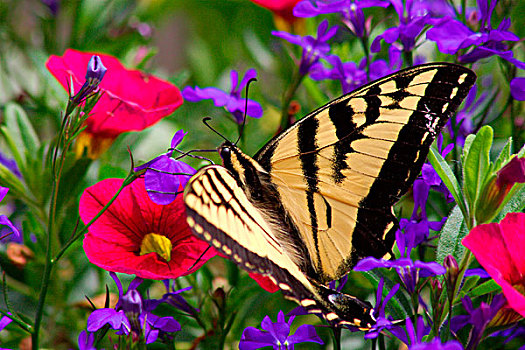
(351, 311)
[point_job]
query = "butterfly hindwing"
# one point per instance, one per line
(348, 162)
(220, 213)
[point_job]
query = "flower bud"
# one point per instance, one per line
(451, 275)
(19, 254)
(492, 197)
(94, 73)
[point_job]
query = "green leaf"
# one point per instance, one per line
(21, 128)
(485, 288)
(447, 176)
(476, 165)
(466, 146)
(503, 157)
(450, 237)
(514, 201)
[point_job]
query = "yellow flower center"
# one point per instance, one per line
(155, 243)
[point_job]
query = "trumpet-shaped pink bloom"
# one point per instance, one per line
(131, 100)
(117, 240)
(499, 248)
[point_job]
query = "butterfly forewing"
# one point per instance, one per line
(340, 169)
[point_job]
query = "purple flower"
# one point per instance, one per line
(451, 36)
(516, 331)
(412, 20)
(277, 335)
(166, 176)
(517, 88)
(232, 101)
(349, 74)
(173, 298)
(382, 322)
(412, 335)
(436, 344)
(313, 48)
(479, 318)
(11, 165)
(86, 341)
(409, 271)
(4, 321)
(4, 220)
(351, 11)
(130, 315)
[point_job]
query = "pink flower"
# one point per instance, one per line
(282, 8)
(137, 236)
(500, 248)
(131, 100)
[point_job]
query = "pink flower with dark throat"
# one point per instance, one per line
(136, 236)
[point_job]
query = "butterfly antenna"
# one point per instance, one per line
(205, 121)
(245, 109)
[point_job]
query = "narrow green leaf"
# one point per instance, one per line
(447, 176)
(451, 235)
(476, 165)
(21, 128)
(466, 146)
(485, 288)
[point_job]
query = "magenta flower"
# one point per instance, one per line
(131, 100)
(499, 249)
(313, 48)
(232, 101)
(138, 236)
(166, 176)
(351, 12)
(277, 335)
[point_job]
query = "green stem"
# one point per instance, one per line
(336, 333)
(408, 58)
(364, 43)
(130, 178)
(287, 98)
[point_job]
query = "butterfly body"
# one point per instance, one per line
(319, 196)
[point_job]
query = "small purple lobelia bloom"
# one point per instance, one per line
(277, 335)
(452, 35)
(13, 232)
(232, 101)
(86, 341)
(313, 48)
(409, 271)
(517, 88)
(479, 318)
(351, 12)
(173, 298)
(418, 226)
(382, 322)
(165, 176)
(131, 316)
(349, 74)
(413, 17)
(413, 334)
